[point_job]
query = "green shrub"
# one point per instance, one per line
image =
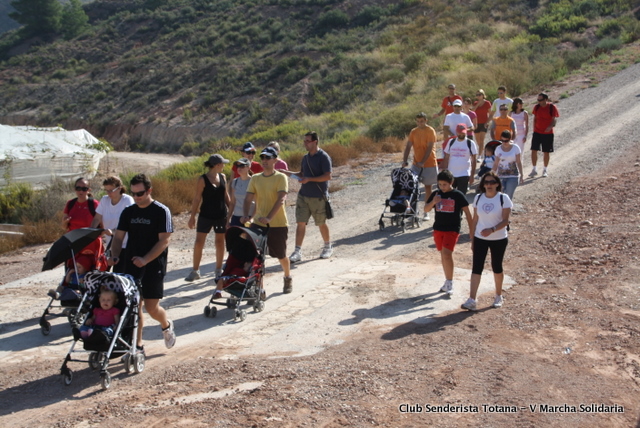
(609, 44)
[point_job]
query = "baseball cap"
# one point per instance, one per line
(248, 146)
(457, 103)
(215, 160)
(242, 162)
(269, 151)
(461, 127)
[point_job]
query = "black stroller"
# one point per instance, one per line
(244, 271)
(64, 250)
(403, 202)
(100, 347)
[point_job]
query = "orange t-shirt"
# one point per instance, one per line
(420, 138)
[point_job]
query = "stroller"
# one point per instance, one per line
(67, 249)
(100, 347)
(244, 271)
(403, 201)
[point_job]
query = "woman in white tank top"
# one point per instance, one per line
(520, 115)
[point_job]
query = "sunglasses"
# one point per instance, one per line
(540, 99)
(490, 182)
(112, 190)
(82, 189)
(265, 157)
(251, 152)
(505, 140)
(241, 165)
(139, 194)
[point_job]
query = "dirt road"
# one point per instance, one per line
(366, 331)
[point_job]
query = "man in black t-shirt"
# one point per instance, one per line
(449, 204)
(149, 226)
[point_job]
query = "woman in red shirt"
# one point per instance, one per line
(482, 107)
(78, 214)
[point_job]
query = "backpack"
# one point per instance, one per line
(456, 139)
(90, 204)
(501, 204)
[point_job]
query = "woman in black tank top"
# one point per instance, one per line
(212, 198)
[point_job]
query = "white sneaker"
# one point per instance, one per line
(425, 217)
(498, 301)
(469, 305)
(533, 173)
(195, 274)
(326, 252)
(544, 173)
(296, 256)
(169, 335)
(447, 287)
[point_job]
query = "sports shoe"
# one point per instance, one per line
(447, 287)
(218, 273)
(469, 305)
(425, 217)
(288, 285)
(169, 335)
(497, 302)
(296, 256)
(217, 294)
(533, 173)
(544, 173)
(195, 274)
(326, 252)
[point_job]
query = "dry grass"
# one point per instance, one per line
(340, 154)
(392, 145)
(176, 195)
(42, 231)
(10, 243)
(365, 145)
(335, 187)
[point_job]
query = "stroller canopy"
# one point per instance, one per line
(256, 236)
(404, 179)
(125, 284)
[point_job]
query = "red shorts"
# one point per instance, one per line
(447, 240)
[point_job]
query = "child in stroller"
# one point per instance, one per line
(243, 272)
(105, 317)
(403, 201)
(69, 288)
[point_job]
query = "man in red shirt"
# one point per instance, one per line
(544, 119)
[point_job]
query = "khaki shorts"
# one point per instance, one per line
(307, 207)
(429, 176)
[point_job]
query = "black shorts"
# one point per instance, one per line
(205, 225)
(276, 241)
(544, 140)
(461, 183)
(482, 127)
(151, 278)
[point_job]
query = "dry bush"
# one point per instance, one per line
(10, 243)
(364, 144)
(392, 145)
(294, 160)
(42, 231)
(339, 154)
(176, 195)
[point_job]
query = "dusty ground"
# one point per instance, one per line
(366, 332)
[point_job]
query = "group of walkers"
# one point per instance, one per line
(464, 127)
(138, 228)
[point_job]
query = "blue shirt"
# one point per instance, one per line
(315, 166)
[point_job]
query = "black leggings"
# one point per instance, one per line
(480, 249)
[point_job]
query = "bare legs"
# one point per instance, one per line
(156, 312)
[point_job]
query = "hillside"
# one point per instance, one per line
(155, 74)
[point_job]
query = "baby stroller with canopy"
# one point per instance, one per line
(403, 202)
(244, 271)
(99, 346)
(68, 249)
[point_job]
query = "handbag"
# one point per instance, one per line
(328, 209)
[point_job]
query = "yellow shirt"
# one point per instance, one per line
(421, 139)
(266, 191)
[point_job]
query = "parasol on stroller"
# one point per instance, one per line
(68, 245)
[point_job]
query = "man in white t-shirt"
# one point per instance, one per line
(460, 158)
(500, 101)
(453, 119)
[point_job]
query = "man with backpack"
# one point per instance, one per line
(460, 158)
(544, 119)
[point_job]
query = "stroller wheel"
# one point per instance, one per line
(138, 362)
(207, 311)
(241, 315)
(45, 328)
(71, 316)
(231, 303)
(258, 306)
(67, 377)
(127, 363)
(105, 380)
(381, 224)
(210, 312)
(94, 360)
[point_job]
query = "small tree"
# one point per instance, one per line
(37, 16)
(74, 20)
